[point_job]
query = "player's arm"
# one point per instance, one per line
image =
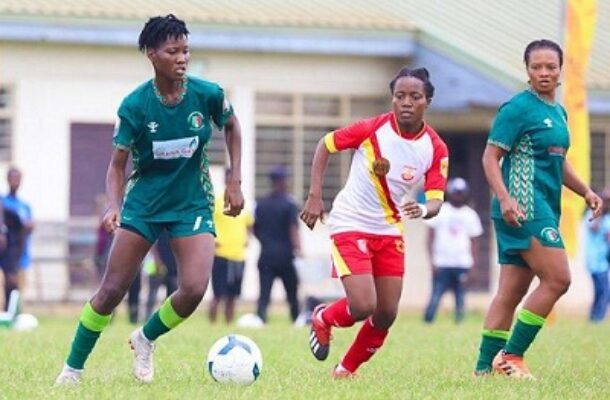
(314, 207)
(115, 187)
(234, 199)
(576, 185)
(511, 212)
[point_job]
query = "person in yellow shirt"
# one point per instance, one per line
(231, 242)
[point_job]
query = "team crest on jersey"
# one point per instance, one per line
(408, 173)
(445, 167)
(195, 121)
(550, 234)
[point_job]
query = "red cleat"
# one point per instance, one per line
(320, 334)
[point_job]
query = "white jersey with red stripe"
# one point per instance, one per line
(370, 203)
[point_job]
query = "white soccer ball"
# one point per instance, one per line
(235, 359)
(25, 322)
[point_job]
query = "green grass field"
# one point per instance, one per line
(571, 360)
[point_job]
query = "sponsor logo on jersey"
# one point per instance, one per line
(550, 234)
(548, 122)
(445, 167)
(177, 148)
(152, 126)
(408, 173)
(195, 121)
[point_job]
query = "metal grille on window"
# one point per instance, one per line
(5, 125)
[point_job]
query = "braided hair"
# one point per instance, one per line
(420, 73)
(542, 44)
(158, 29)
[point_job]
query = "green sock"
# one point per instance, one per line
(162, 321)
(524, 332)
(492, 341)
(90, 326)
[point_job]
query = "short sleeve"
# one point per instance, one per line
(220, 108)
(507, 127)
(351, 136)
(436, 176)
(125, 132)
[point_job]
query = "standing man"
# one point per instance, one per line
(23, 210)
(228, 270)
(276, 227)
(453, 247)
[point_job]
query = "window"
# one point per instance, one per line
(6, 133)
(288, 129)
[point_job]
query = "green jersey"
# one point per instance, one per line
(535, 136)
(170, 177)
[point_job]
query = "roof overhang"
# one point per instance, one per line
(301, 41)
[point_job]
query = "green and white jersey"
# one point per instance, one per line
(168, 145)
(535, 136)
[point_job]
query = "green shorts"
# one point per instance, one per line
(512, 240)
(189, 225)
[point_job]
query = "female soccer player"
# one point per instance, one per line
(394, 153)
(166, 124)
(530, 136)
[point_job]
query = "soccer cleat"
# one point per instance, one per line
(319, 335)
(68, 377)
(339, 373)
(511, 365)
(143, 350)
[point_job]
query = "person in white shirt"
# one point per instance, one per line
(452, 245)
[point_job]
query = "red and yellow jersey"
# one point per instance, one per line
(369, 202)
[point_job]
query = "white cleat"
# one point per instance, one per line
(143, 350)
(68, 377)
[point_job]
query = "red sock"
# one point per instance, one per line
(367, 342)
(337, 314)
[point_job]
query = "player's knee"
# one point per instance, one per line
(383, 319)
(559, 285)
(361, 309)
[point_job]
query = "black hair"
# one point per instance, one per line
(158, 29)
(542, 44)
(420, 73)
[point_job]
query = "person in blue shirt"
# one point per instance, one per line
(597, 247)
(15, 204)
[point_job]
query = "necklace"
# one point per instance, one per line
(542, 99)
(177, 100)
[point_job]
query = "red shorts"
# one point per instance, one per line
(356, 253)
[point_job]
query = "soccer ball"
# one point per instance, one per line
(235, 359)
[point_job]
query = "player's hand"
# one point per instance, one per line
(511, 212)
(112, 218)
(411, 209)
(312, 211)
(234, 199)
(595, 203)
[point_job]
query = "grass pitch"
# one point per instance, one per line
(570, 359)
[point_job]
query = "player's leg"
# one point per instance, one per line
(126, 254)
(515, 280)
(439, 286)
(352, 264)
(375, 329)
(550, 264)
